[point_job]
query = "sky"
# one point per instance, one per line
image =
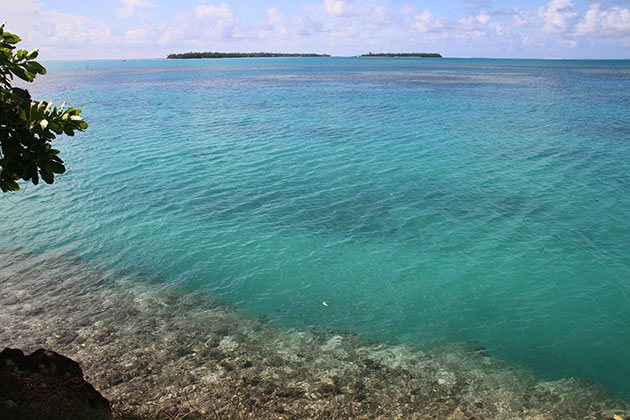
(109, 29)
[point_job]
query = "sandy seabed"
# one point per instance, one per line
(159, 352)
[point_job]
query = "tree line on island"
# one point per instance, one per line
(210, 54)
(240, 55)
(403, 55)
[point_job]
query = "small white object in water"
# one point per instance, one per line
(325, 304)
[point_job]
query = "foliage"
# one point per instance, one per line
(28, 127)
(240, 55)
(403, 55)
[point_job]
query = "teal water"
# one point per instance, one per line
(426, 201)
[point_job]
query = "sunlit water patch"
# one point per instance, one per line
(425, 201)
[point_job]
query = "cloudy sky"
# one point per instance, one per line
(90, 29)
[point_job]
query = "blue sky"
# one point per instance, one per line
(80, 29)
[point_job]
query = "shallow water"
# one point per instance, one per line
(159, 352)
(426, 201)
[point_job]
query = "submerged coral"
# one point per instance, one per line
(158, 351)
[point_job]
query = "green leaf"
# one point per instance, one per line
(23, 74)
(47, 175)
(28, 127)
(36, 68)
(34, 177)
(10, 38)
(7, 185)
(57, 167)
(55, 127)
(22, 94)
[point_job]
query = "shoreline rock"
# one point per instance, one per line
(47, 385)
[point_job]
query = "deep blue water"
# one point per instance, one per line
(425, 201)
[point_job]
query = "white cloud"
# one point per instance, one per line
(381, 16)
(39, 27)
(475, 26)
(306, 26)
(340, 7)
(614, 21)
(213, 12)
(334, 26)
(274, 17)
(426, 22)
(135, 36)
(408, 10)
(130, 7)
(75, 30)
(519, 19)
(569, 43)
(170, 35)
(273, 25)
(471, 23)
(17, 8)
(483, 18)
(558, 16)
(214, 21)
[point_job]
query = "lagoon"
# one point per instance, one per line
(427, 202)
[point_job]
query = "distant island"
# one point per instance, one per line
(239, 55)
(403, 55)
(211, 54)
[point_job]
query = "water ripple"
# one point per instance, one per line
(426, 201)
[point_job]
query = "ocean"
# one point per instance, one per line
(415, 201)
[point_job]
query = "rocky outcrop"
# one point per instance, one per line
(46, 385)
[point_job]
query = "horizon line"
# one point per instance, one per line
(344, 56)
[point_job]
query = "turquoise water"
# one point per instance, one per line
(425, 201)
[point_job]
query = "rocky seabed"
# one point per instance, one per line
(157, 351)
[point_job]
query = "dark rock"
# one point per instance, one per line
(47, 385)
(360, 396)
(11, 359)
(330, 389)
(117, 379)
(371, 364)
(92, 396)
(8, 404)
(268, 389)
(48, 362)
